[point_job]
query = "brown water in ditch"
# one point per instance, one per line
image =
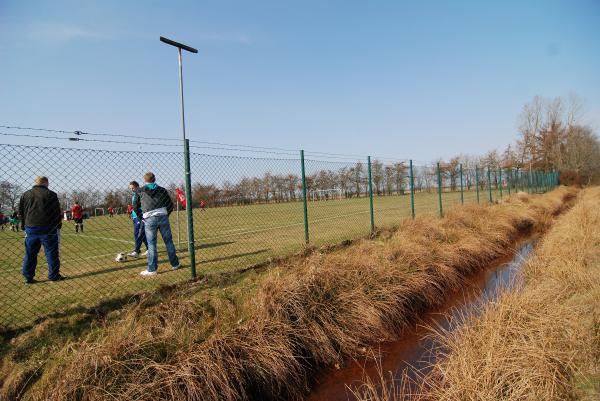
(412, 354)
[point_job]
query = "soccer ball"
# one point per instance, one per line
(121, 257)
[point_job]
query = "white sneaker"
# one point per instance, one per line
(133, 254)
(176, 267)
(145, 253)
(147, 273)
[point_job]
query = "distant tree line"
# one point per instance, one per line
(552, 137)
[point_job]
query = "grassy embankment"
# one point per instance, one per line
(541, 342)
(538, 342)
(262, 334)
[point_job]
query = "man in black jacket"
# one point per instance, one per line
(157, 206)
(41, 218)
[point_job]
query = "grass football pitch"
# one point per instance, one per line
(227, 239)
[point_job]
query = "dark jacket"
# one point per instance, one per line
(154, 197)
(39, 207)
(136, 204)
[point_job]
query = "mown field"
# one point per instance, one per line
(227, 239)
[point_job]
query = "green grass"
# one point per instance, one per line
(227, 239)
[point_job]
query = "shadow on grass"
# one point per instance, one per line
(142, 264)
(235, 256)
(213, 245)
(204, 281)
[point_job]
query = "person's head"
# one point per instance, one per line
(77, 202)
(134, 186)
(149, 178)
(41, 180)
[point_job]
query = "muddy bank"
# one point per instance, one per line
(413, 354)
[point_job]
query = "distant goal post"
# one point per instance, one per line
(325, 194)
(99, 211)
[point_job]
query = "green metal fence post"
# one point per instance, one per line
(462, 195)
(500, 182)
(544, 184)
(529, 181)
(489, 180)
(412, 190)
(439, 177)
(188, 208)
(477, 182)
(508, 180)
(371, 196)
(305, 201)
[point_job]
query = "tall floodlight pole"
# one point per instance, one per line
(186, 152)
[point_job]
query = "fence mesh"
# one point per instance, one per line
(245, 211)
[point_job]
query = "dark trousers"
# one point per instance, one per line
(139, 235)
(34, 239)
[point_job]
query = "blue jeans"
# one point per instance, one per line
(139, 235)
(34, 239)
(152, 225)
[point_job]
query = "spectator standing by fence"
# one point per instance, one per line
(77, 215)
(157, 205)
(139, 234)
(41, 218)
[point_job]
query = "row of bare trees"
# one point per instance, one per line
(552, 137)
(350, 181)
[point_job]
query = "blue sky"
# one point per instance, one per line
(417, 80)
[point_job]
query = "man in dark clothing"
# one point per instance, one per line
(157, 206)
(41, 218)
(139, 234)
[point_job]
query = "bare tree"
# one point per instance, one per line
(399, 176)
(9, 194)
(377, 175)
(357, 178)
(344, 178)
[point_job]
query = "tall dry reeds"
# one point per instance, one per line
(324, 309)
(541, 341)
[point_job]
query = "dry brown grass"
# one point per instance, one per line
(539, 342)
(326, 308)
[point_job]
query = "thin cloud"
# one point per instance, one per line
(59, 32)
(240, 39)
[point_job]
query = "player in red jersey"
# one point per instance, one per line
(77, 215)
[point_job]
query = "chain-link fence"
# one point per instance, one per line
(245, 210)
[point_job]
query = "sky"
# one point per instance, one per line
(399, 79)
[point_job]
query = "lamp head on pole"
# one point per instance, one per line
(178, 45)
